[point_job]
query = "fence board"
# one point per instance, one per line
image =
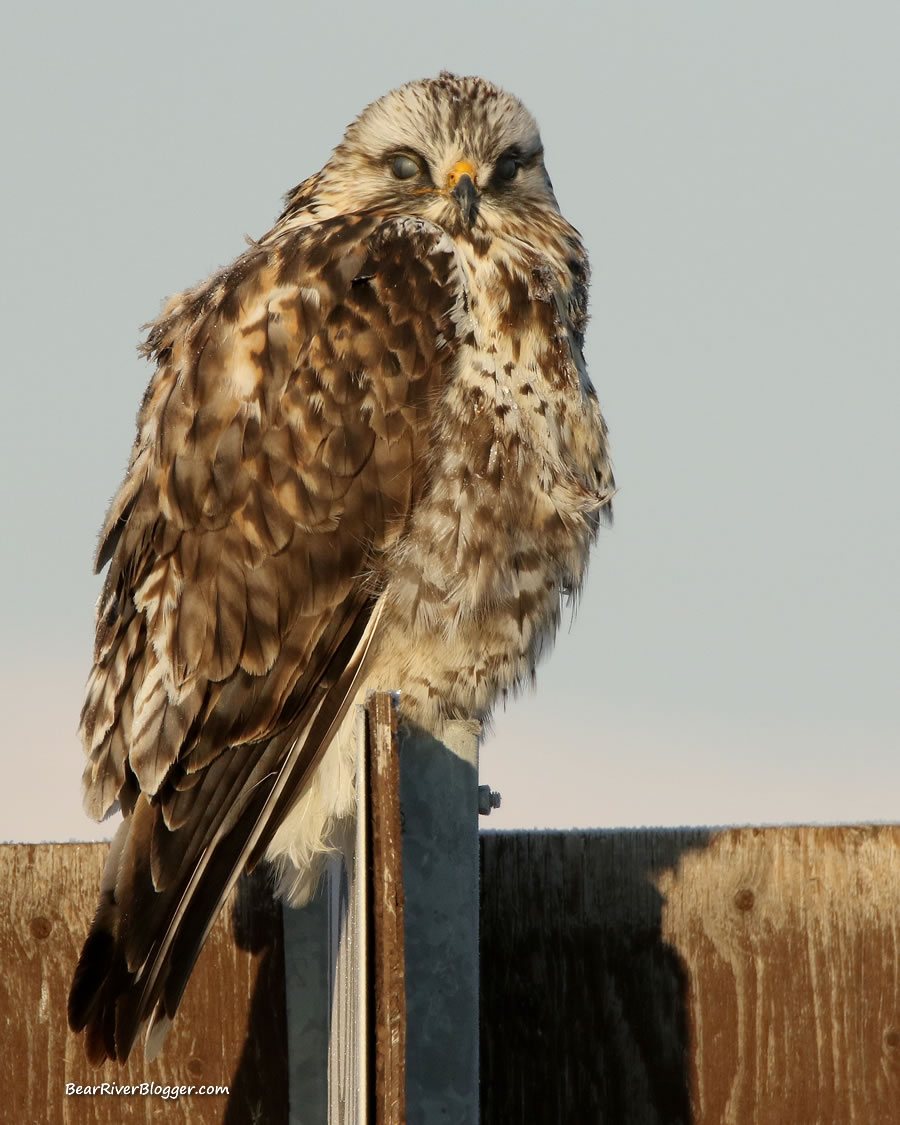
(745, 977)
(50, 894)
(738, 977)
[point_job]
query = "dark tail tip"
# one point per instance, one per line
(87, 1007)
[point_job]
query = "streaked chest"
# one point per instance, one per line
(517, 440)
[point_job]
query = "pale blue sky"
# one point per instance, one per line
(735, 171)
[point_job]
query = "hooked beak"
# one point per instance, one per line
(461, 183)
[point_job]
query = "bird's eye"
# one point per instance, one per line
(405, 167)
(506, 169)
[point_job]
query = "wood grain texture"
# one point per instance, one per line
(387, 943)
(230, 1031)
(737, 977)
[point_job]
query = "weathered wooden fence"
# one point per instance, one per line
(654, 977)
(738, 977)
(230, 1031)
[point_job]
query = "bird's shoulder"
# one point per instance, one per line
(281, 448)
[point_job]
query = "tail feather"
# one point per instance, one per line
(145, 939)
(155, 915)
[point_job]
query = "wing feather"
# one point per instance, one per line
(281, 450)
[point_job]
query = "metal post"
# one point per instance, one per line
(439, 799)
(331, 1028)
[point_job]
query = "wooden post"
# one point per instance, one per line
(387, 945)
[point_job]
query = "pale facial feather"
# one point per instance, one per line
(440, 121)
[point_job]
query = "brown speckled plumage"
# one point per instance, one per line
(369, 456)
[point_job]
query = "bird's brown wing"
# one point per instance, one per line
(281, 448)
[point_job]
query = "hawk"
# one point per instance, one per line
(369, 457)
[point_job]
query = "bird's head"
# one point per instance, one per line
(458, 151)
